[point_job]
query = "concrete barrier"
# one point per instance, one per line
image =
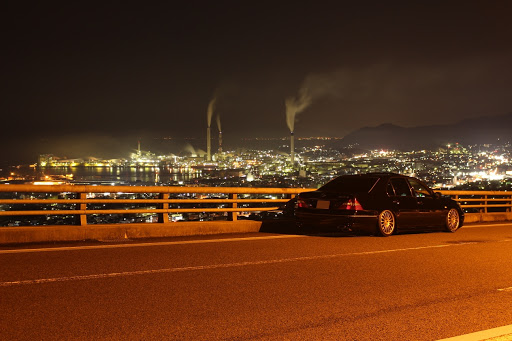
(487, 217)
(39, 234)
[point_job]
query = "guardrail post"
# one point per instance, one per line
(233, 215)
(164, 217)
(485, 203)
(83, 207)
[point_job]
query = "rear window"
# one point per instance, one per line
(350, 184)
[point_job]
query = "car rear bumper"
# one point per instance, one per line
(365, 222)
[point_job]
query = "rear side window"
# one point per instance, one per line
(390, 190)
(419, 189)
(401, 187)
(350, 184)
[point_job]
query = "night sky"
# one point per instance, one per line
(89, 78)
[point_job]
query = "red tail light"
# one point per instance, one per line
(352, 205)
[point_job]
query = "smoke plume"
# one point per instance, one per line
(189, 149)
(295, 105)
(211, 109)
(218, 122)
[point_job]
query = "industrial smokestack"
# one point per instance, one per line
(220, 133)
(220, 141)
(295, 105)
(208, 145)
(292, 149)
(209, 114)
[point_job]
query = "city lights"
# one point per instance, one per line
(316, 163)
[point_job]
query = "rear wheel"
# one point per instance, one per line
(386, 223)
(452, 220)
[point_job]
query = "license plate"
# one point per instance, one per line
(323, 204)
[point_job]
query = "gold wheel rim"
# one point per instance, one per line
(453, 219)
(387, 222)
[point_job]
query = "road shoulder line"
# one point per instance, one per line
(500, 333)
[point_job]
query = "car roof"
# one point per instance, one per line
(380, 175)
(383, 177)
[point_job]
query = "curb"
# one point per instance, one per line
(39, 234)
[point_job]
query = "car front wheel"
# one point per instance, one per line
(386, 223)
(452, 220)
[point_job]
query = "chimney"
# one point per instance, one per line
(208, 145)
(220, 141)
(292, 149)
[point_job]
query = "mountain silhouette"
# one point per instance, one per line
(481, 130)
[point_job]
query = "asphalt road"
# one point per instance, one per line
(261, 286)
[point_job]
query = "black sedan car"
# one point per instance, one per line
(380, 203)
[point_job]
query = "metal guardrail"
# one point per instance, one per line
(482, 201)
(85, 196)
(80, 200)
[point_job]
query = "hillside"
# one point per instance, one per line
(470, 131)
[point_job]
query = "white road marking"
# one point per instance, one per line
(214, 266)
(485, 225)
(500, 333)
(505, 289)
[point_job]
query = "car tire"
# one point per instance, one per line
(452, 222)
(386, 223)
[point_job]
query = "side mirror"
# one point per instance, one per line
(438, 195)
